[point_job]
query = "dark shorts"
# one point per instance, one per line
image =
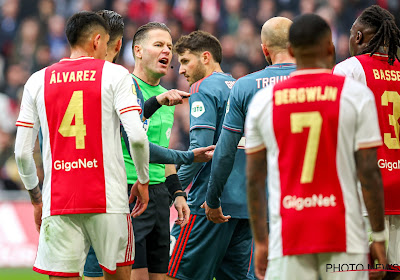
(152, 237)
(204, 250)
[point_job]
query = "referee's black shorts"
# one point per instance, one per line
(152, 235)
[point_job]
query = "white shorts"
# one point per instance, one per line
(64, 243)
(325, 266)
(392, 234)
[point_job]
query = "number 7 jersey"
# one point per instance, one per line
(77, 103)
(311, 125)
(384, 81)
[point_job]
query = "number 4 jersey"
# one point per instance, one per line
(384, 81)
(311, 125)
(77, 102)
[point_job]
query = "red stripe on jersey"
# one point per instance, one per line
(312, 208)
(384, 81)
(184, 245)
(131, 108)
(25, 124)
(53, 273)
(72, 94)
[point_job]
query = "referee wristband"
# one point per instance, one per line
(173, 184)
(150, 107)
(379, 236)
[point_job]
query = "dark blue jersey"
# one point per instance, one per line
(208, 101)
(231, 142)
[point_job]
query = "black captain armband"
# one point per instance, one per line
(150, 107)
(173, 184)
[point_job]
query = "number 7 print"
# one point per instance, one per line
(313, 120)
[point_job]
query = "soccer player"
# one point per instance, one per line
(202, 249)
(318, 132)
(158, 154)
(78, 104)
(274, 37)
(374, 43)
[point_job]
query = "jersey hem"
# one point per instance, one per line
(373, 144)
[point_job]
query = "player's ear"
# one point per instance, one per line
(118, 46)
(265, 50)
(138, 51)
(205, 57)
(96, 41)
(359, 37)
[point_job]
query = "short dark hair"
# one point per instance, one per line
(144, 29)
(386, 31)
(200, 41)
(115, 22)
(80, 25)
(307, 30)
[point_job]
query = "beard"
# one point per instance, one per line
(198, 73)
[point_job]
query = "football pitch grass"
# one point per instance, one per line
(21, 273)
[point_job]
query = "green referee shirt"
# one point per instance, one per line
(158, 131)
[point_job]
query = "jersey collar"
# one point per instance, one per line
(308, 71)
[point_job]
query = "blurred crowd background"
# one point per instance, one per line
(32, 37)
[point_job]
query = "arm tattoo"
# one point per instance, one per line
(36, 195)
(256, 196)
(370, 177)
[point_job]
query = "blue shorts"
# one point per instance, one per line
(204, 250)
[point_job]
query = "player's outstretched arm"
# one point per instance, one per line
(199, 137)
(256, 172)
(370, 177)
(172, 97)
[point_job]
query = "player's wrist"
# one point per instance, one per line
(378, 236)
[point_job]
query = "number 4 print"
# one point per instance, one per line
(313, 120)
(78, 130)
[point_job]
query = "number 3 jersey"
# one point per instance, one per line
(311, 125)
(384, 81)
(77, 104)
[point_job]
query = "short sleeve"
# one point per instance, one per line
(234, 118)
(367, 130)
(203, 110)
(28, 116)
(253, 127)
(125, 98)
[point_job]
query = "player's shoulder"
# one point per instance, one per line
(356, 91)
(115, 69)
(36, 79)
(347, 66)
(210, 84)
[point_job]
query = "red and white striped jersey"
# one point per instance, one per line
(77, 104)
(384, 81)
(311, 125)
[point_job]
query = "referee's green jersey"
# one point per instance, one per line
(158, 128)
